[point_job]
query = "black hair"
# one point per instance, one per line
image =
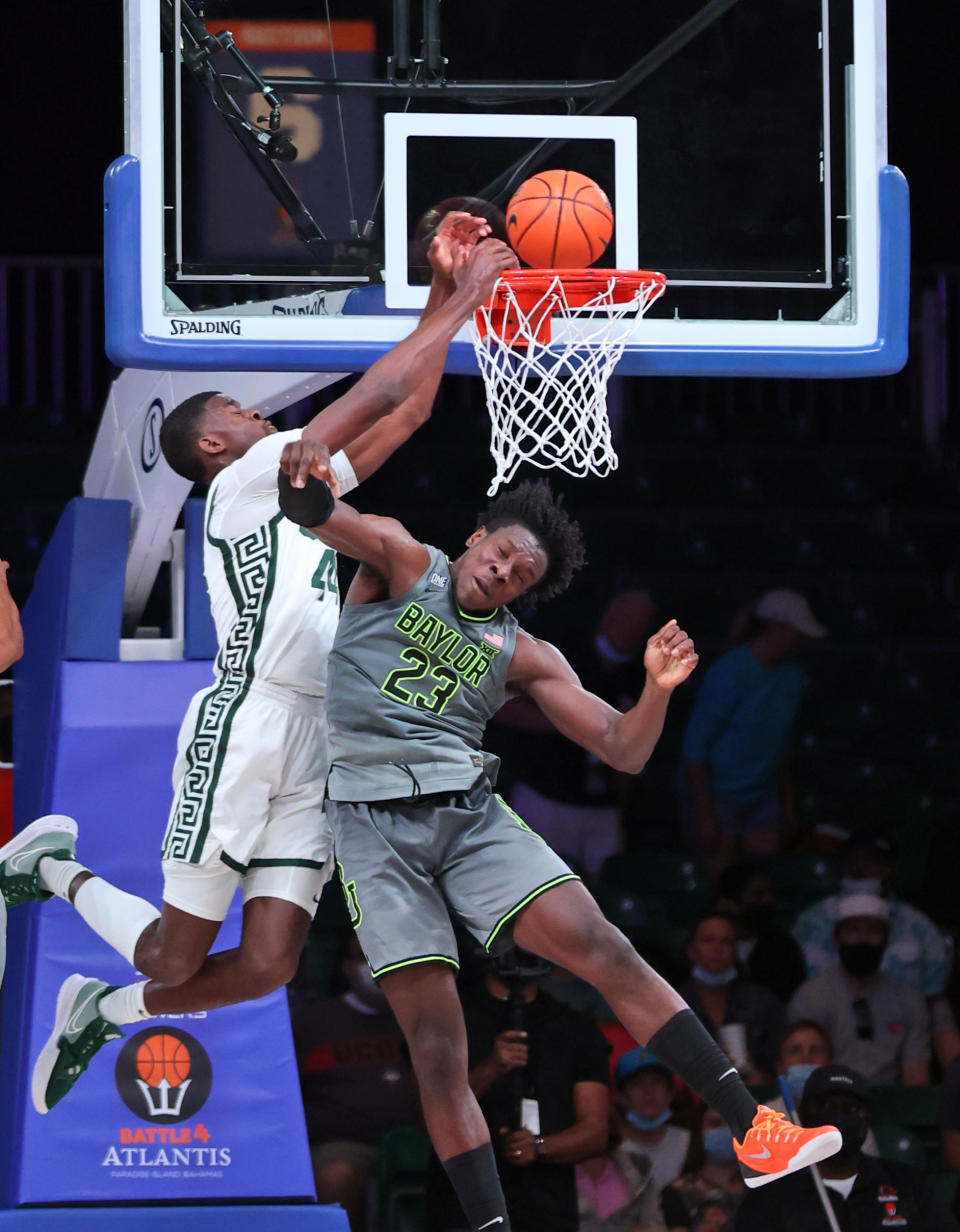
(179, 434)
(533, 504)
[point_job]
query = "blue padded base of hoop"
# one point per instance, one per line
(128, 345)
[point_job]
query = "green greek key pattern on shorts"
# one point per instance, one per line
(250, 566)
(190, 817)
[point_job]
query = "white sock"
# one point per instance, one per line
(124, 1004)
(57, 875)
(116, 916)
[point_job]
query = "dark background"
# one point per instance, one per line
(64, 116)
(725, 488)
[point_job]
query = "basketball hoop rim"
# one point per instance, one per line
(623, 284)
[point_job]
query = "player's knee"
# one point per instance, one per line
(265, 970)
(168, 967)
(439, 1061)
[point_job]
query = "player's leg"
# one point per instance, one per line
(426, 1005)
(39, 862)
(387, 856)
(565, 926)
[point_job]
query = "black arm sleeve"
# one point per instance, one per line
(310, 505)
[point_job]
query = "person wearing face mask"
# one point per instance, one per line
(568, 796)
(804, 1047)
(867, 1194)
(706, 1197)
(644, 1095)
(356, 1082)
(917, 952)
(879, 1025)
(745, 1018)
(766, 953)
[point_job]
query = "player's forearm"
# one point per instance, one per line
(394, 377)
(633, 737)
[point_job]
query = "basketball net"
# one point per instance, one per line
(546, 393)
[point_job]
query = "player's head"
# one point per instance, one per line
(207, 432)
(525, 544)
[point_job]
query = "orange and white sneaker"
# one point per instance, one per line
(773, 1147)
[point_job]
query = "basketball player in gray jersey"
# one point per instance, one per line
(425, 653)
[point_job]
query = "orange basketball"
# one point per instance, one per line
(559, 220)
(163, 1056)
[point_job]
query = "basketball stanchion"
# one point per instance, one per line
(546, 342)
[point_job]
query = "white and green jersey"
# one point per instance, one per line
(272, 585)
(413, 681)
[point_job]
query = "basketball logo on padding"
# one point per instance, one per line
(163, 1075)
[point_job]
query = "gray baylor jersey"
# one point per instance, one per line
(412, 682)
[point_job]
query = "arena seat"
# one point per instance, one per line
(900, 1144)
(913, 1109)
(664, 884)
(801, 878)
(402, 1161)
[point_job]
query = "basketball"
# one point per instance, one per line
(559, 220)
(163, 1056)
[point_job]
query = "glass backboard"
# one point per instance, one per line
(272, 209)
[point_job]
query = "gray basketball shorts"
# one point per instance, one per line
(409, 865)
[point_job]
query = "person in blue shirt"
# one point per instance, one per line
(735, 786)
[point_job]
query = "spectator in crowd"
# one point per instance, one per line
(539, 1071)
(11, 634)
(917, 951)
(866, 1194)
(804, 1047)
(645, 1095)
(745, 1018)
(737, 794)
(356, 1080)
(879, 1025)
(706, 1197)
(568, 796)
(617, 1193)
(767, 954)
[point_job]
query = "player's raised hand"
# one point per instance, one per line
(457, 233)
(483, 266)
(670, 656)
(305, 457)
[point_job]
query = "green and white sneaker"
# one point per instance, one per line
(78, 1032)
(54, 835)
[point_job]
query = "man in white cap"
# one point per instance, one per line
(736, 788)
(879, 1025)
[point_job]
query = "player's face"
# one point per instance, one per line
(497, 567)
(230, 428)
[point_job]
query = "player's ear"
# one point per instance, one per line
(210, 443)
(478, 534)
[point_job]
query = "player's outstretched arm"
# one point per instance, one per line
(455, 238)
(396, 376)
(389, 555)
(623, 741)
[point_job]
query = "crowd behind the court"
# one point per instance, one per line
(790, 939)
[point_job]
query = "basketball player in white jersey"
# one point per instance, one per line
(251, 761)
